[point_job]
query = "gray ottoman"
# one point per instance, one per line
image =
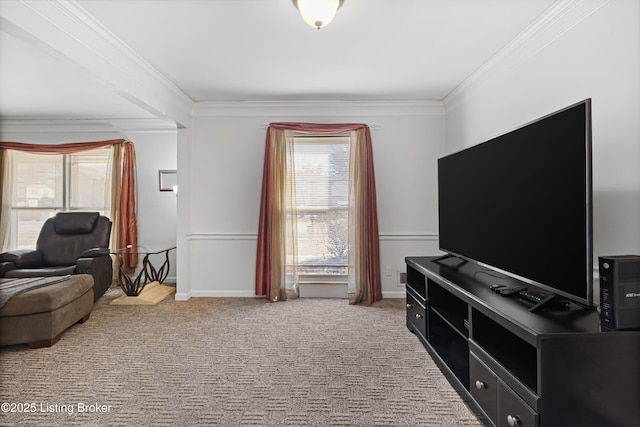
(39, 317)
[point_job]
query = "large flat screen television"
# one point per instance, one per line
(521, 203)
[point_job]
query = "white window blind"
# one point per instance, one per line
(322, 191)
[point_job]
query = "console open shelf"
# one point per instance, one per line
(516, 355)
(417, 281)
(452, 309)
(521, 368)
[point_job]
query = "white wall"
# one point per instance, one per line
(590, 50)
(155, 150)
(157, 210)
(225, 155)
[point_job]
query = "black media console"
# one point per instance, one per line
(543, 368)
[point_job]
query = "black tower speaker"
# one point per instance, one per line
(620, 291)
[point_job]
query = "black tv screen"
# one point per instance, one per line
(521, 203)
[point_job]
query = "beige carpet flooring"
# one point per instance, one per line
(232, 362)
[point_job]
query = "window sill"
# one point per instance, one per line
(322, 280)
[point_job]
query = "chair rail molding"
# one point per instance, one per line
(222, 236)
(399, 237)
(254, 236)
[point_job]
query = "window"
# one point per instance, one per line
(322, 192)
(46, 184)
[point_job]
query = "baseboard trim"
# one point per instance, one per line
(394, 294)
(224, 294)
(185, 296)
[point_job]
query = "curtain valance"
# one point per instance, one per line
(66, 148)
(318, 127)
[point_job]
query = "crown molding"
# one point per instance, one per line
(278, 109)
(87, 125)
(561, 17)
(70, 30)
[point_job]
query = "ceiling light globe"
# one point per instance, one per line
(318, 13)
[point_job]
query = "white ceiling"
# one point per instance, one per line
(83, 59)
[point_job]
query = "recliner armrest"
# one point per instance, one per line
(6, 266)
(90, 258)
(95, 252)
(101, 268)
(83, 266)
(23, 258)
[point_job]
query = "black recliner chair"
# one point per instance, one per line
(69, 243)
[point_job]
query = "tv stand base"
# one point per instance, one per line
(518, 365)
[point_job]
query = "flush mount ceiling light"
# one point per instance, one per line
(318, 13)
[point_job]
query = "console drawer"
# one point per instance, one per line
(484, 387)
(512, 410)
(416, 315)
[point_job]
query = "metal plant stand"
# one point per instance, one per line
(149, 273)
